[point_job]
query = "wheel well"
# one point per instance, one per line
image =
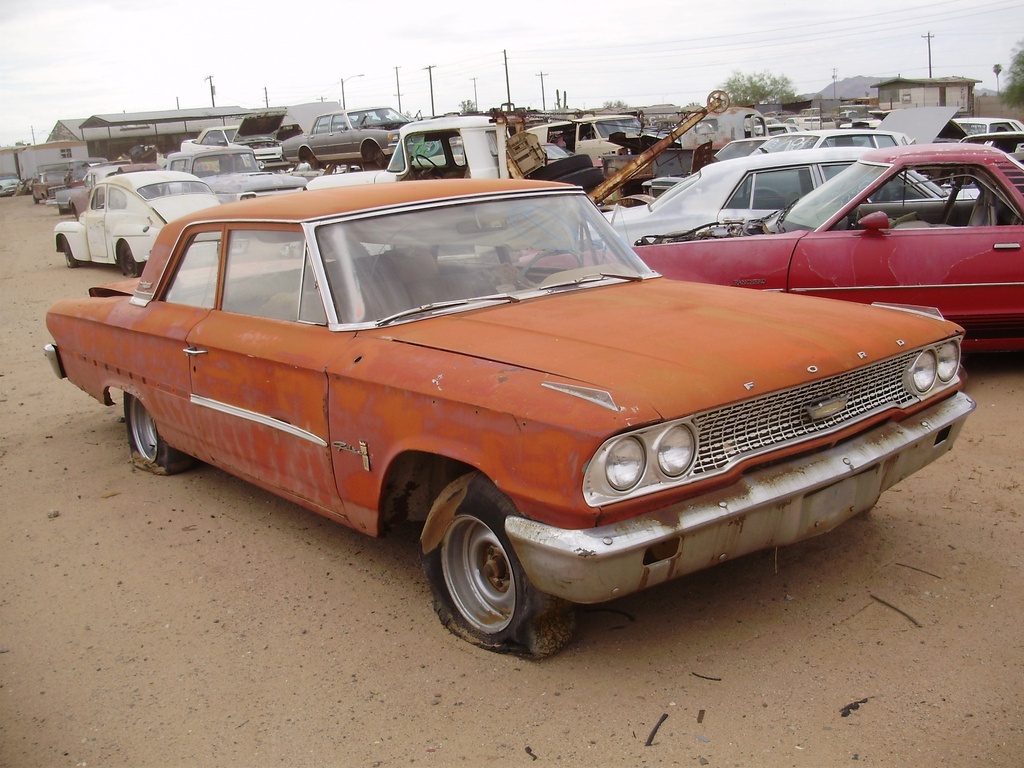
(412, 482)
(61, 242)
(306, 155)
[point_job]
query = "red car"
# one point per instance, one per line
(936, 225)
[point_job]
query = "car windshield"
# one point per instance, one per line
(376, 118)
(627, 125)
(169, 188)
(787, 142)
(818, 206)
(230, 162)
(441, 256)
(677, 189)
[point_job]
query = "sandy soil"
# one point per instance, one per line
(197, 621)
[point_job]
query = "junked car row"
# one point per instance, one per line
(475, 356)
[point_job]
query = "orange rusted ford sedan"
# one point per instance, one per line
(488, 359)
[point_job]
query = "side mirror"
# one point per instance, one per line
(874, 222)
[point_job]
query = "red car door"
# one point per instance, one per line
(973, 275)
(258, 371)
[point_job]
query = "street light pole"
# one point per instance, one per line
(430, 74)
(351, 77)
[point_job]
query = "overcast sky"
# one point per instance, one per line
(73, 60)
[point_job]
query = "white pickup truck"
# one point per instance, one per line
(468, 147)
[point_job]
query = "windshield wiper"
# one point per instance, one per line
(782, 215)
(590, 278)
(436, 305)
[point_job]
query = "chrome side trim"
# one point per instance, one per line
(825, 289)
(258, 418)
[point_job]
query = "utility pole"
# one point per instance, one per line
(835, 74)
(476, 102)
(266, 98)
(430, 74)
(352, 77)
(508, 88)
(398, 90)
(543, 101)
(929, 37)
(213, 90)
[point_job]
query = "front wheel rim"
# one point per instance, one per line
(478, 574)
(144, 433)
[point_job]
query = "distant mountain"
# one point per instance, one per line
(848, 88)
(860, 88)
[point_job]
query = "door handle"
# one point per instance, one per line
(1006, 247)
(192, 351)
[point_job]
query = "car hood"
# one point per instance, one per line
(713, 345)
(247, 182)
(261, 125)
(178, 205)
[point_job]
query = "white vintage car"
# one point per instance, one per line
(124, 214)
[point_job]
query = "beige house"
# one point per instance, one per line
(904, 93)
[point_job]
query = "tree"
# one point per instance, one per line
(759, 88)
(618, 106)
(467, 107)
(1013, 93)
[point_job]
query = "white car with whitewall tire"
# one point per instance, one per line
(124, 214)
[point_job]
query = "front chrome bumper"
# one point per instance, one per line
(771, 507)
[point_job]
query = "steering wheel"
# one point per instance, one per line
(525, 269)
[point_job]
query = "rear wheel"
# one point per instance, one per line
(149, 451)
(372, 156)
(481, 592)
(129, 266)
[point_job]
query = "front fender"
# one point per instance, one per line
(74, 233)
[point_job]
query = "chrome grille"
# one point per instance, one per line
(738, 431)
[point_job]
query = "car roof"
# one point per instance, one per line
(138, 179)
(231, 149)
(945, 152)
(842, 132)
(758, 160)
(312, 205)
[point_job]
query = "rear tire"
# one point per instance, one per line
(560, 168)
(148, 449)
(372, 157)
(481, 593)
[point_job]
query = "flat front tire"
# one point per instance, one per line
(148, 449)
(481, 592)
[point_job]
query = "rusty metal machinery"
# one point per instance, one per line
(718, 101)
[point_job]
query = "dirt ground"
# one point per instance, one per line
(197, 621)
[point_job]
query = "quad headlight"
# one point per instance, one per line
(663, 453)
(934, 367)
(624, 463)
(675, 449)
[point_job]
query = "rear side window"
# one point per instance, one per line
(771, 190)
(195, 282)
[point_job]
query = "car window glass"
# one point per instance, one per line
(883, 140)
(195, 282)
(382, 265)
(264, 273)
(740, 198)
(98, 198)
(828, 170)
(778, 188)
(117, 200)
(338, 123)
